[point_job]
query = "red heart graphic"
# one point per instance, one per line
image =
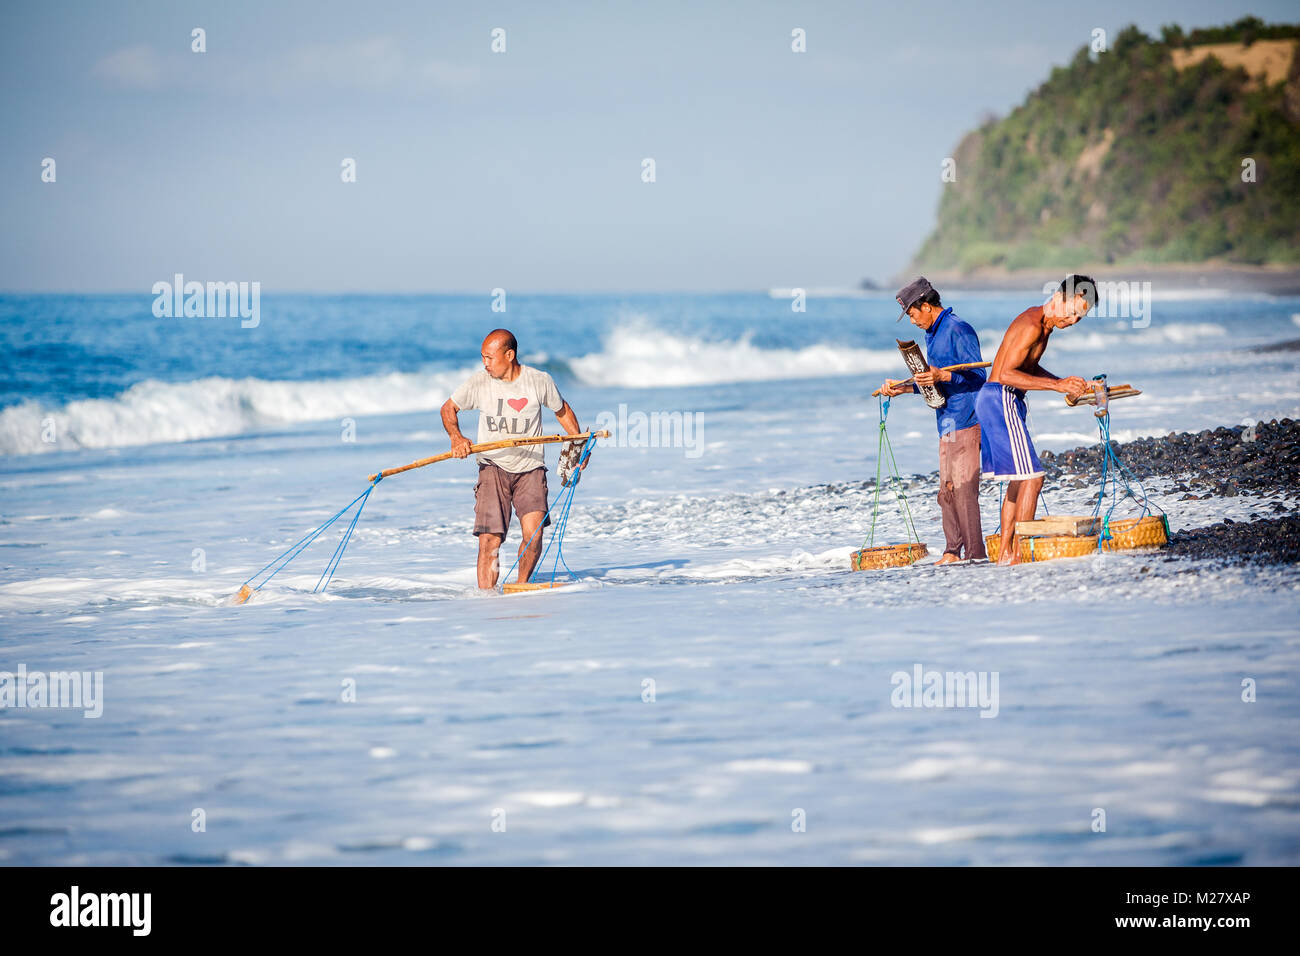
(517, 403)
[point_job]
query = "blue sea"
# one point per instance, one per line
(714, 687)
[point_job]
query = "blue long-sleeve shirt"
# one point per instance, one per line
(950, 341)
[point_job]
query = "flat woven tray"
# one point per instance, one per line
(517, 588)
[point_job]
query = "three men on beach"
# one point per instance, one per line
(510, 398)
(978, 413)
(950, 341)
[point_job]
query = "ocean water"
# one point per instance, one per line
(716, 677)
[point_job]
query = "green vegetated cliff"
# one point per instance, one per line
(1135, 155)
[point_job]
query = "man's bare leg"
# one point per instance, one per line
(1006, 550)
(529, 523)
(1027, 506)
(1021, 505)
(488, 547)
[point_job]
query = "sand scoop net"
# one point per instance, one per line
(873, 556)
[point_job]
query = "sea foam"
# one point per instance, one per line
(159, 412)
(634, 356)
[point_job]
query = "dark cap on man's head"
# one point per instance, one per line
(913, 293)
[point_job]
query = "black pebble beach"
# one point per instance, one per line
(1223, 462)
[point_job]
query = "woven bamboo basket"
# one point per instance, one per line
(993, 545)
(1047, 547)
(887, 556)
(517, 588)
(1129, 533)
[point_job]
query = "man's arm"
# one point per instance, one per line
(967, 353)
(1019, 340)
(1072, 385)
(568, 420)
(460, 445)
(1038, 369)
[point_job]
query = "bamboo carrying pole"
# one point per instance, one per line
(489, 446)
(1115, 391)
(1087, 398)
(946, 368)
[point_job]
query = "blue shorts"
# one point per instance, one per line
(1006, 453)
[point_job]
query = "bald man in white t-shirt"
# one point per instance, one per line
(510, 398)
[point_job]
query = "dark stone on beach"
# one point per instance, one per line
(1269, 540)
(1226, 461)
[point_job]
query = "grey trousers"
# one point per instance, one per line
(959, 492)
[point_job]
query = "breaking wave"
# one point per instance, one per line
(636, 357)
(1113, 333)
(158, 412)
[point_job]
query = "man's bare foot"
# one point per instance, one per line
(948, 558)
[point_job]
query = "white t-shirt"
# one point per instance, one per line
(510, 410)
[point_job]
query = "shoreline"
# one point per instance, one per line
(1209, 277)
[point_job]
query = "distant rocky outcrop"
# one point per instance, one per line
(1182, 149)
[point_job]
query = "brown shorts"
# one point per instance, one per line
(497, 490)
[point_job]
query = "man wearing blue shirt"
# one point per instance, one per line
(950, 341)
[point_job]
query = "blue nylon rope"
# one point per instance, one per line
(884, 446)
(1114, 471)
(557, 539)
(333, 564)
(564, 503)
(302, 543)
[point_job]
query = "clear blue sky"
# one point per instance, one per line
(519, 170)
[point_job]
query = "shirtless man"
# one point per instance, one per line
(1006, 452)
